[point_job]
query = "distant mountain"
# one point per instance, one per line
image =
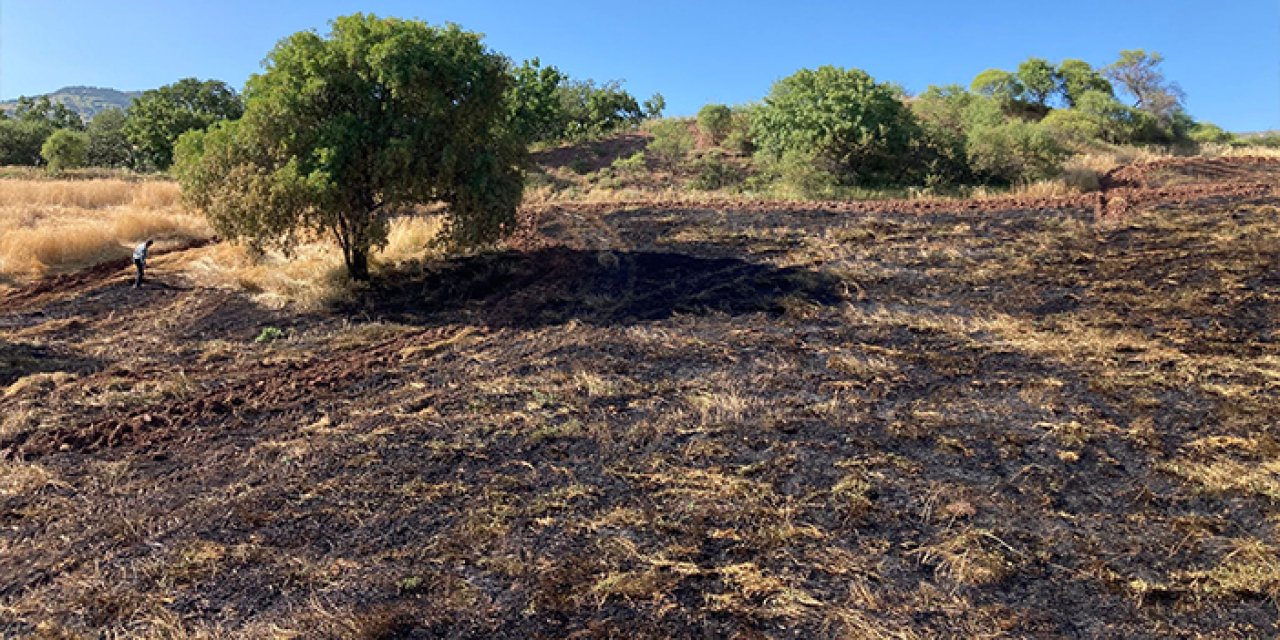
(87, 101)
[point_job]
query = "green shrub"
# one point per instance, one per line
(269, 334)
(998, 84)
(1268, 140)
(21, 141)
(945, 114)
(544, 105)
(108, 144)
(1038, 79)
(671, 142)
(1077, 78)
(715, 121)
(158, 117)
(711, 172)
(580, 166)
(1015, 151)
(1075, 126)
(851, 126)
(65, 149)
(634, 163)
(804, 174)
(738, 139)
(1209, 133)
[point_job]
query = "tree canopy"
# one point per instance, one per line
(340, 131)
(1078, 78)
(65, 149)
(108, 144)
(998, 84)
(857, 129)
(159, 116)
(1038, 80)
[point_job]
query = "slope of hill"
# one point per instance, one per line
(752, 421)
(87, 101)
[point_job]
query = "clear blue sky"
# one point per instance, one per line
(1224, 53)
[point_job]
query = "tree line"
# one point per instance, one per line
(543, 104)
(341, 131)
(823, 131)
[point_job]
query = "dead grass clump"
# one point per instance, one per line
(410, 238)
(1251, 151)
(135, 226)
(755, 592)
(312, 277)
(971, 557)
(1224, 465)
(34, 251)
(23, 478)
(1080, 179)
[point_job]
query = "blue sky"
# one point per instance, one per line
(1224, 53)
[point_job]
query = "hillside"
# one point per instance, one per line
(906, 419)
(87, 101)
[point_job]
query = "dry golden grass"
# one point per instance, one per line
(410, 238)
(90, 194)
(59, 225)
(311, 276)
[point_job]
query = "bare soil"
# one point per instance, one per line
(995, 418)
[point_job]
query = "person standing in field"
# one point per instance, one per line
(140, 261)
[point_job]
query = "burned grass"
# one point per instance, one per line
(671, 423)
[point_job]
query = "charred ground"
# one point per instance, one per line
(773, 421)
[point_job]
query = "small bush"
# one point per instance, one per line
(711, 172)
(739, 139)
(580, 166)
(1013, 152)
(858, 128)
(65, 149)
(1209, 133)
(801, 172)
(269, 334)
(715, 122)
(671, 142)
(1075, 126)
(634, 163)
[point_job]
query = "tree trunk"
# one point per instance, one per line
(358, 265)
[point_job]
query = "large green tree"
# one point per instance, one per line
(20, 140)
(108, 144)
(339, 132)
(44, 111)
(1038, 80)
(158, 117)
(1077, 78)
(853, 127)
(998, 84)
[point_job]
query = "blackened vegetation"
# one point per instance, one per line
(558, 284)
